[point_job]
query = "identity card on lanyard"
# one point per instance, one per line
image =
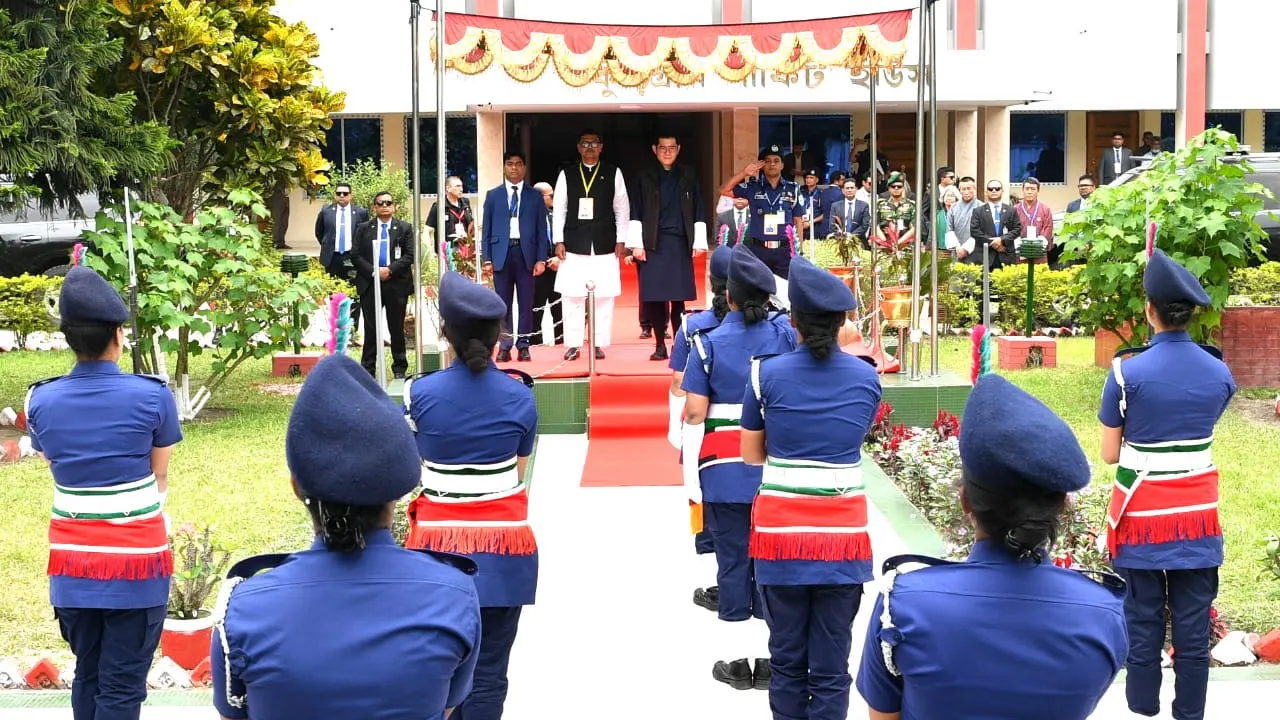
(773, 220)
(586, 205)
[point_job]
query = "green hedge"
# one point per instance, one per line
(1256, 285)
(1057, 301)
(24, 306)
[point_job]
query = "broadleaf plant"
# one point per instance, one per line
(1205, 209)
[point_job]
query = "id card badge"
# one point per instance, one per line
(514, 231)
(395, 253)
(1032, 233)
(586, 208)
(771, 224)
(1116, 168)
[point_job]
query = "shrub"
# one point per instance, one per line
(200, 562)
(25, 303)
(1256, 285)
(1057, 303)
(963, 297)
(368, 178)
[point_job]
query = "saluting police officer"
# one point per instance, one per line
(706, 320)
(774, 205)
(355, 627)
(1158, 413)
(715, 379)
(476, 427)
(107, 438)
(804, 417)
(1005, 634)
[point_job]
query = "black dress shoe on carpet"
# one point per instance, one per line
(646, 334)
(735, 674)
(524, 355)
(761, 676)
(708, 598)
(660, 353)
(599, 354)
(504, 356)
(572, 354)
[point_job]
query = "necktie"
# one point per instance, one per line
(549, 233)
(742, 219)
(515, 202)
(848, 215)
(383, 247)
(995, 215)
(342, 229)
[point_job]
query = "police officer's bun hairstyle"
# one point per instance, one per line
(819, 331)
(1175, 314)
(719, 303)
(1025, 523)
(751, 301)
(345, 527)
(89, 341)
(474, 341)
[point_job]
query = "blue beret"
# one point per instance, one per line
(87, 298)
(720, 262)
(812, 289)
(1009, 441)
(1167, 281)
(463, 301)
(347, 441)
(770, 150)
(747, 269)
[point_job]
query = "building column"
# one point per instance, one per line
(394, 143)
(1252, 131)
(484, 7)
(490, 138)
(733, 12)
(1193, 74)
(965, 151)
(745, 137)
(995, 157)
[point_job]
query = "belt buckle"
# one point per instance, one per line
(772, 244)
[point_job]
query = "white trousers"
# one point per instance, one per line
(575, 321)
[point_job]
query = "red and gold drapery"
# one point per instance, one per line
(631, 55)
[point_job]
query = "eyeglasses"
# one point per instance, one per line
(590, 144)
(1084, 185)
(994, 188)
(342, 193)
(667, 148)
(896, 186)
(385, 203)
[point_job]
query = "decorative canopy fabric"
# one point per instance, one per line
(683, 55)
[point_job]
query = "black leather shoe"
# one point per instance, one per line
(660, 353)
(599, 354)
(646, 333)
(504, 356)
(735, 674)
(761, 676)
(708, 598)
(523, 355)
(572, 354)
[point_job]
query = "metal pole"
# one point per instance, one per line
(874, 156)
(920, 185)
(986, 285)
(135, 350)
(441, 162)
(591, 328)
(381, 373)
(415, 12)
(342, 143)
(938, 232)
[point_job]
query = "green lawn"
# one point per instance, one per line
(230, 471)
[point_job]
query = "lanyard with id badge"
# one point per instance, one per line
(774, 220)
(586, 205)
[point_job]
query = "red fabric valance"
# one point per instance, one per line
(631, 55)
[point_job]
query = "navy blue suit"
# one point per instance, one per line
(513, 260)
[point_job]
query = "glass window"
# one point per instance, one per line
(824, 139)
(1168, 131)
(1035, 147)
(352, 139)
(1271, 131)
(1231, 121)
(460, 150)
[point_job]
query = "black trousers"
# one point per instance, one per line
(113, 650)
(657, 313)
(395, 300)
(339, 270)
(644, 319)
(544, 291)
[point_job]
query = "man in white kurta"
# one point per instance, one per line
(590, 218)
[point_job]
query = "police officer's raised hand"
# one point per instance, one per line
(752, 169)
(559, 251)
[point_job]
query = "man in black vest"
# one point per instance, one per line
(591, 215)
(668, 226)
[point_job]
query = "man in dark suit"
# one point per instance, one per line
(850, 214)
(1085, 185)
(391, 242)
(995, 223)
(517, 248)
(335, 231)
(545, 297)
(736, 220)
(1115, 160)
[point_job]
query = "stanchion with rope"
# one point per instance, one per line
(591, 327)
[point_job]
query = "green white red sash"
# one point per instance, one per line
(109, 533)
(1164, 492)
(472, 508)
(807, 510)
(722, 442)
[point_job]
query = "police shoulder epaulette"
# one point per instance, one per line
(1214, 351)
(407, 397)
(45, 381)
(465, 565)
(238, 573)
(525, 378)
(890, 635)
(698, 341)
(1110, 581)
(1125, 352)
(154, 378)
(757, 387)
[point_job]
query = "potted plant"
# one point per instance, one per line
(200, 563)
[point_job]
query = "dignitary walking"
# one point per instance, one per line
(667, 227)
(354, 627)
(516, 250)
(391, 242)
(715, 380)
(590, 222)
(336, 231)
(804, 419)
(107, 438)
(1005, 634)
(775, 210)
(1159, 410)
(475, 429)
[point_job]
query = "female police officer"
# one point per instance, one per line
(804, 418)
(715, 378)
(476, 427)
(355, 626)
(1003, 635)
(1158, 413)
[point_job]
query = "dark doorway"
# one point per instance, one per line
(550, 142)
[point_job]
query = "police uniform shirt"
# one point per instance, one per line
(994, 638)
(1173, 391)
(480, 418)
(366, 634)
(731, 347)
(817, 411)
(704, 320)
(764, 199)
(97, 427)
